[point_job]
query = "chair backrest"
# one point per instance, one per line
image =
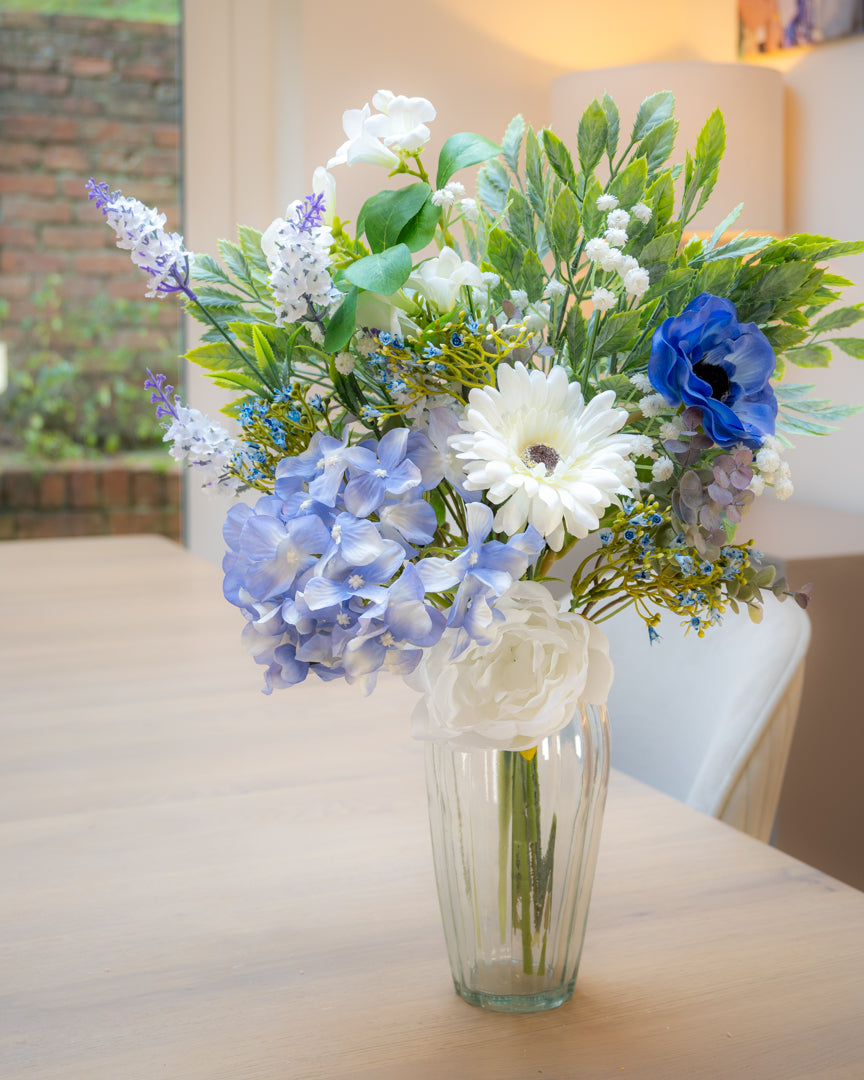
(703, 719)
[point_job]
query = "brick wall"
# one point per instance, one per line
(89, 499)
(81, 97)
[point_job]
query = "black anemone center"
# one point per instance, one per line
(716, 378)
(540, 454)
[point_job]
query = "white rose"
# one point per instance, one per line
(523, 686)
(441, 278)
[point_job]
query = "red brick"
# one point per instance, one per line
(14, 286)
(8, 526)
(84, 523)
(147, 489)
(14, 261)
(78, 105)
(21, 208)
(42, 128)
(76, 237)
(52, 490)
(166, 136)
(172, 525)
(66, 159)
(18, 236)
(21, 154)
(88, 67)
(123, 522)
(85, 490)
(116, 487)
(101, 265)
(82, 288)
(27, 184)
(42, 83)
(128, 290)
(157, 163)
(33, 526)
(113, 131)
(20, 489)
(149, 72)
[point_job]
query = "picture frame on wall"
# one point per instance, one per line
(769, 25)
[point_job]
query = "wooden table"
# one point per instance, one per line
(203, 883)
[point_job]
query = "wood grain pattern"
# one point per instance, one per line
(204, 883)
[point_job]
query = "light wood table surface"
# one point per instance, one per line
(200, 882)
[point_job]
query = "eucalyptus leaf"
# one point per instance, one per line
(383, 216)
(384, 272)
(420, 230)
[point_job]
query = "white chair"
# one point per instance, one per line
(710, 721)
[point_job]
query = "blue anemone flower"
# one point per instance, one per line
(705, 358)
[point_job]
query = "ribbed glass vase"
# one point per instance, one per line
(514, 840)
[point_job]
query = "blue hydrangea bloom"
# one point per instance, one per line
(705, 358)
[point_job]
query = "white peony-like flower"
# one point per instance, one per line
(441, 278)
(549, 459)
(542, 662)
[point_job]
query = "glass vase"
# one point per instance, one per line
(514, 841)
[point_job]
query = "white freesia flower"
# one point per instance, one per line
(549, 459)
(441, 278)
(525, 685)
(361, 144)
(400, 121)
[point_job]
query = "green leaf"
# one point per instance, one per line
(512, 142)
(235, 260)
(237, 380)
(384, 272)
(266, 361)
(629, 184)
(724, 225)
(839, 319)
(534, 162)
(493, 186)
(342, 322)
(617, 333)
(661, 199)
(462, 150)
(780, 336)
(852, 346)
(250, 243)
(521, 218)
(654, 110)
(420, 230)
(575, 332)
(658, 144)
(385, 215)
(592, 218)
(740, 245)
(532, 276)
(218, 356)
(505, 255)
(662, 249)
(205, 268)
(809, 355)
(559, 158)
(565, 224)
(717, 277)
(613, 125)
(591, 139)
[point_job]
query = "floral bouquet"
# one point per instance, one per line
(439, 404)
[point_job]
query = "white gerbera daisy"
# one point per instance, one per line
(536, 448)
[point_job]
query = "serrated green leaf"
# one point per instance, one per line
(591, 138)
(384, 272)
(235, 260)
(532, 277)
(384, 216)
(217, 356)
(782, 337)
(711, 141)
(629, 184)
(717, 277)
(575, 332)
(654, 110)
(613, 125)
(839, 319)
(559, 157)
(739, 246)
(462, 150)
(674, 286)
(658, 144)
(504, 254)
(662, 249)
(493, 187)
(592, 218)
(661, 198)
(565, 223)
(264, 357)
(250, 243)
(238, 380)
(724, 225)
(512, 142)
(533, 161)
(521, 218)
(617, 333)
(342, 323)
(852, 346)
(809, 355)
(205, 268)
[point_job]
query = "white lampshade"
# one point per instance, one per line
(751, 99)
